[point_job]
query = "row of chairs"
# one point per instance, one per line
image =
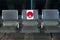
(50, 21)
(11, 22)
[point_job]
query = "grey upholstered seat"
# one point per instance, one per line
(10, 20)
(30, 26)
(50, 19)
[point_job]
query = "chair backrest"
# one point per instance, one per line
(50, 14)
(50, 17)
(25, 12)
(9, 15)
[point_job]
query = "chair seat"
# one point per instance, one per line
(52, 29)
(10, 23)
(50, 23)
(7, 30)
(29, 23)
(33, 29)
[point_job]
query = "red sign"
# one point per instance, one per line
(30, 14)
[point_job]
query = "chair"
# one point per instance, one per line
(30, 25)
(50, 19)
(10, 21)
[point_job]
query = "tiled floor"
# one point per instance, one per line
(28, 36)
(22, 36)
